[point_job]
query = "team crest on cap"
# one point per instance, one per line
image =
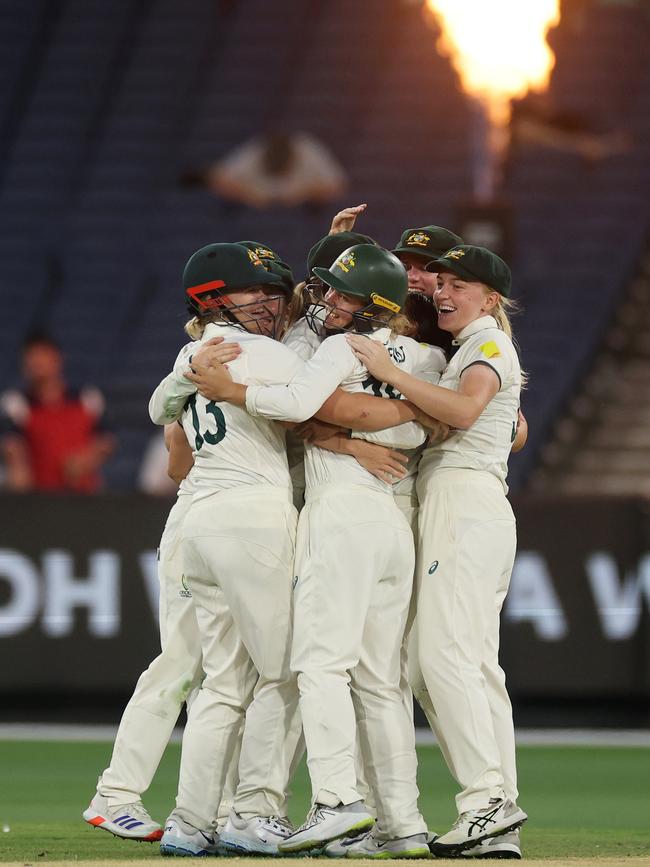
(347, 262)
(264, 253)
(418, 239)
(454, 254)
(255, 259)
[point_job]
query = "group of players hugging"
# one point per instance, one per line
(341, 542)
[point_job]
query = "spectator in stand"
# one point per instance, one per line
(279, 168)
(54, 438)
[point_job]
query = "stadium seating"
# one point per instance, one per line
(105, 105)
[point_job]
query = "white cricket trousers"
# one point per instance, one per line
(354, 567)
(149, 717)
(467, 542)
(238, 552)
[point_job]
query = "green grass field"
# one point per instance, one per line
(586, 803)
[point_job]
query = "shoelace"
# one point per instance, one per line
(280, 825)
(313, 817)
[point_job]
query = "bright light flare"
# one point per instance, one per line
(498, 47)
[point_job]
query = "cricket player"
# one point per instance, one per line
(349, 510)
(173, 677)
(238, 561)
(467, 541)
(149, 717)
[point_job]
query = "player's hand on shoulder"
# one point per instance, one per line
(215, 351)
(213, 381)
(373, 355)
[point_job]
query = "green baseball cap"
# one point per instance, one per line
(428, 242)
(272, 262)
(369, 272)
(216, 269)
(325, 251)
(476, 264)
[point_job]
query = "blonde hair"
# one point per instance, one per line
(295, 305)
(502, 311)
(195, 327)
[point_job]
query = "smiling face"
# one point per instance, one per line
(419, 279)
(340, 309)
(259, 309)
(460, 302)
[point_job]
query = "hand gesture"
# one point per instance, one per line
(344, 221)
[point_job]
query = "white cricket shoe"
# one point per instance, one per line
(185, 840)
(474, 826)
(261, 834)
(414, 846)
(324, 824)
(129, 821)
(503, 846)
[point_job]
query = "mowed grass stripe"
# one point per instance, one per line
(583, 802)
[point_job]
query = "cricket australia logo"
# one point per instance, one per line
(185, 593)
(418, 239)
(255, 259)
(264, 253)
(454, 254)
(345, 263)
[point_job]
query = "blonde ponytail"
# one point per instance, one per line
(502, 311)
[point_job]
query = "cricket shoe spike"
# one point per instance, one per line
(474, 826)
(128, 821)
(324, 824)
(503, 846)
(413, 846)
(259, 835)
(186, 841)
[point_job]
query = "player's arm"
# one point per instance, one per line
(479, 383)
(168, 400)
(181, 459)
(309, 385)
(381, 461)
(363, 412)
(522, 433)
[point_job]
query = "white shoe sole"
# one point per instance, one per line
(230, 844)
(168, 849)
(148, 835)
(338, 830)
(441, 850)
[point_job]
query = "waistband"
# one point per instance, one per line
(244, 492)
(334, 489)
(446, 476)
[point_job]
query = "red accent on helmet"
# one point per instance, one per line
(211, 302)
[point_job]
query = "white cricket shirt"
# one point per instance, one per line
(486, 444)
(231, 448)
(334, 364)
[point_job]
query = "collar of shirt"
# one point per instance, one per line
(381, 335)
(474, 327)
(224, 329)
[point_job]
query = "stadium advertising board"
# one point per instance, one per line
(79, 589)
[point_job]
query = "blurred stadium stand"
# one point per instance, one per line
(104, 106)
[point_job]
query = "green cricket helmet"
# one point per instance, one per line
(273, 263)
(372, 274)
(216, 270)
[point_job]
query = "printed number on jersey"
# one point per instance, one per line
(380, 389)
(204, 420)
